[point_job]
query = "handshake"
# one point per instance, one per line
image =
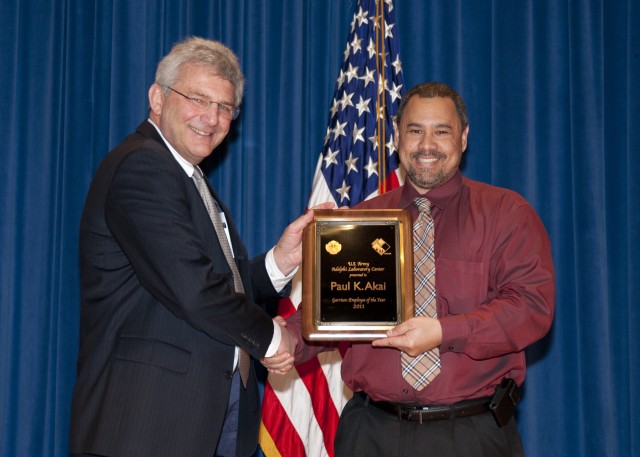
(414, 336)
(282, 361)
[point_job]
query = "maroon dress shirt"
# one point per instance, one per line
(495, 295)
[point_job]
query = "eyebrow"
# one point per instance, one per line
(439, 125)
(206, 97)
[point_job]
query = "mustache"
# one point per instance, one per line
(427, 154)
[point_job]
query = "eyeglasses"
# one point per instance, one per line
(224, 111)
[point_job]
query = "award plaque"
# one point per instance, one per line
(357, 273)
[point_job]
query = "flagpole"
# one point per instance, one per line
(381, 104)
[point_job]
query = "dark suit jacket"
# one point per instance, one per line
(159, 318)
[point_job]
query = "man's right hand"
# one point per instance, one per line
(283, 361)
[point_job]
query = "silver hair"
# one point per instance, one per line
(213, 55)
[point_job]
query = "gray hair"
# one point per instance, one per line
(432, 90)
(213, 55)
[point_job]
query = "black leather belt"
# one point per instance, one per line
(421, 413)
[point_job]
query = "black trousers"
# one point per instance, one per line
(366, 431)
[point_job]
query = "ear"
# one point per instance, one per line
(465, 134)
(156, 99)
(395, 134)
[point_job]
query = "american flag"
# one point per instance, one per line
(358, 161)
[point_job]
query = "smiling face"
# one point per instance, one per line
(192, 132)
(430, 141)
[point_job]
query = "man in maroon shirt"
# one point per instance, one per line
(495, 296)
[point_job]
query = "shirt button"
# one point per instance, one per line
(405, 391)
(451, 348)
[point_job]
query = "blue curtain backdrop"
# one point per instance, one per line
(554, 103)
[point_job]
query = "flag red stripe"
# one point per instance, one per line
(277, 422)
(313, 377)
(323, 406)
(285, 307)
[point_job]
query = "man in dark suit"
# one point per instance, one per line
(163, 327)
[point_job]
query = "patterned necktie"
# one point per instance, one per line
(244, 359)
(421, 370)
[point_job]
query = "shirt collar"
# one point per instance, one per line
(438, 196)
(188, 168)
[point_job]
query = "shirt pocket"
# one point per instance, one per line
(461, 285)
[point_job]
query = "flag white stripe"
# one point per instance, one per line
(289, 389)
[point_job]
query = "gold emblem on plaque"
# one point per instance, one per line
(380, 246)
(333, 247)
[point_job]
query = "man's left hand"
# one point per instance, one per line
(288, 252)
(414, 336)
